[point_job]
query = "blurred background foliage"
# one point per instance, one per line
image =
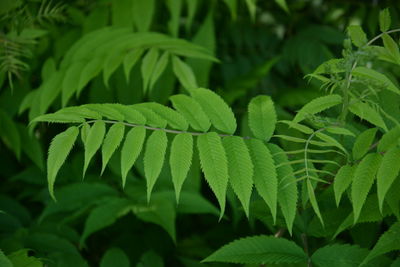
(263, 47)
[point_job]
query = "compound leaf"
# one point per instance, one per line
(262, 117)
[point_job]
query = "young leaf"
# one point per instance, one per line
(317, 105)
(154, 155)
(93, 142)
(389, 139)
(192, 112)
(364, 177)
(180, 160)
(240, 169)
(389, 241)
(259, 250)
(265, 176)
(387, 173)
(131, 149)
(384, 20)
(377, 77)
(391, 47)
(364, 111)
(342, 181)
(148, 65)
(184, 73)
(357, 35)
(217, 110)
(130, 60)
(363, 143)
(339, 255)
(111, 142)
(58, 152)
(214, 165)
(313, 201)
(287, 186)
(262, 117)
(159, 69)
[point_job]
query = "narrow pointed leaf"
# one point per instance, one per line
(363, 143)
(130, 60)
(342, 181)
(93, 142)
(317, 105)
(111, 142)
(262, 117)
(240, 169)
(148, 65)
(265, 176)
(184, 73)
(389, 139)
(130, 151)
(58, 152)
(220, 114)
(180, 160)
(384, 20)
(159, 69)
(214, 165)
(364, 177)
(365, 112)
(154, 156)
(313, 200)
(192, 111)
(174, 119)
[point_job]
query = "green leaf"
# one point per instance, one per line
(313, 200)
(357, 35)
(20, 258)
(340, 131)
(214, 165)
(287, 186)
(251, 6)
(317, 105)
(330, 140)
(9, 134)
(131, 148)
(389, 241)
(265, 176)
(154, 155)
(259, 250)
(152, 118)
(377, 77)
(220, 114)
(148, 65)
(262, 117)
(111, 142)
(342, 181)
(184, 73)
(111, 63)
(49, 91)
(232, 5)
(389, 139)
(104, 215)
(140, 7)
(130, 60)
(84, 131)
(364, 111)
(387, 173)
(363, 180)
(240, 169)
(106, 110)
(93, 142)
(174, 119)
(283, 5)
(192, 111)
(59, 149)
(4, 261)
(175, 8)
(59, 118)
(180, 160)
(384, 20)
(392, 48)
(339, 255)
(130, 114)
(70, 82)
(114, 257)
(363, 143)
(91, 70)
(159, 69)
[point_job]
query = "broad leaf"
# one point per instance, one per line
(220, 114)
(339, 255)
(262, 117)
(180, 160)
(154, 156)
(111, 143)
(131, 149)
(240, 169)
(259, 250)
(59, 149)
(363, 180)
(357, 35)
(214, 165)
